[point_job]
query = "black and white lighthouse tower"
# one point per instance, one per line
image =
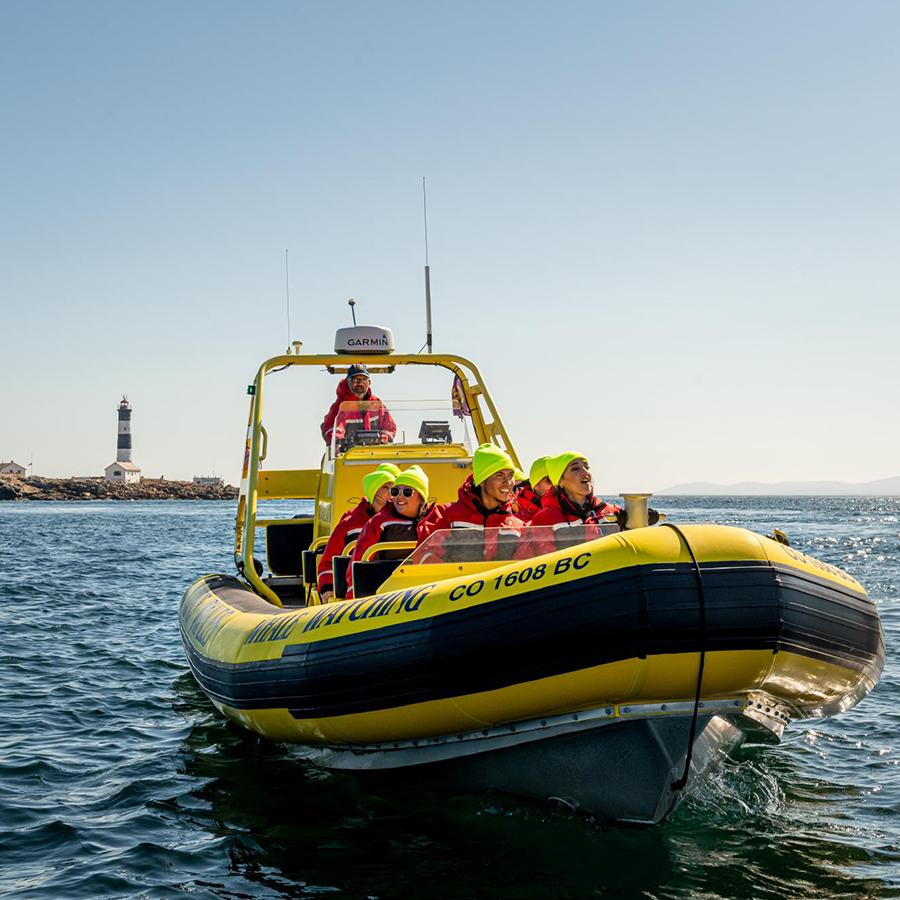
(123, 444)
(123, 469)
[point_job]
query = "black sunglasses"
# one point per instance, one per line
(406, 491)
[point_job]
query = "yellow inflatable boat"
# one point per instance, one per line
(611, 674)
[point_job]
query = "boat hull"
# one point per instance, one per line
(533, 685)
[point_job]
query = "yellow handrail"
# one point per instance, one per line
(476, 394)
(387, 545)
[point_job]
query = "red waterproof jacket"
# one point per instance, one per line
(468, 512)
(526, 504)
(373, 419)
(570, 525)
(389, 525)
(347, 529)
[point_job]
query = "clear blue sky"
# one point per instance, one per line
(667, 232)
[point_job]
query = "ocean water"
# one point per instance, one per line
(119, 779)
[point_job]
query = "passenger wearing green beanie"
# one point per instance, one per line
(485, 505)
(527, 501)
(376, 490)
(404, 519)
(385, 473)
(489, 459)
(571, 502)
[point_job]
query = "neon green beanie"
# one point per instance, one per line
(385, 473)
(489, 459)
(538, 470)
(556, 465)
(415, 478)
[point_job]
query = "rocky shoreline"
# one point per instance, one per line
(37, 488)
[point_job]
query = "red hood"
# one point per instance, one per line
(344, 393)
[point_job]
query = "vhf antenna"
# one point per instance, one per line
(427, 271)
(352, 304)
(287, 293)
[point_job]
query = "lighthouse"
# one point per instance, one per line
(123, 444)
(123, 469)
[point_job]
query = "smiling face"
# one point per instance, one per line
(382, 496)
(577, 481)
(359, 385)
(406, 506)
(497, 488)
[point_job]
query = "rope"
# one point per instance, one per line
(681, 782)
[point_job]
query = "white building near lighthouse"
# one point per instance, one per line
(123, 469)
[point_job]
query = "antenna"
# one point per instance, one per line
(427, 271)
(287, 293)
(352, 304)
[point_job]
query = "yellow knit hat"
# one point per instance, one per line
(556, 465)
(489, 459)
(415, 478)
(538, 470)
(374, 480)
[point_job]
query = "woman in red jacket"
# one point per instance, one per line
(484, 508)
(570, 513)
(404, 519)
(376, 491)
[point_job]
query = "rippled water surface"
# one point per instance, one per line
(117, 777)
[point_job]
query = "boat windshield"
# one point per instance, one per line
(361, 423)
(476, 545)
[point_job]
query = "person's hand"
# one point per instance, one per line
(327, 596)
(385, 437)
(652, 516)
(621, 518)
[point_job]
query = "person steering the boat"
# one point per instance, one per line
(407, 518)
(376, 495)
(570, 508)
(527, 496)
(357, 409)
(484, 508)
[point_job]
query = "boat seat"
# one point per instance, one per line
(370, 575)
(289, 589)
(310, 562)
(285, 541)
(339, 566)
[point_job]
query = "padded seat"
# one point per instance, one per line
(285, 542)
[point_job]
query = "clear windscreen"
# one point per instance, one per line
(476, 545)
(361, 423)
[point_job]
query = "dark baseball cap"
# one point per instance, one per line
(357, 369)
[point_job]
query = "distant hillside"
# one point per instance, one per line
(885, 487)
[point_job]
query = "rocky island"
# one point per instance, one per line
(36, 488)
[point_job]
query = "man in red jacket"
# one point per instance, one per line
(376, 490)
(483, 513)
(357, 409)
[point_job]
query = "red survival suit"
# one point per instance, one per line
(376, 418)
(347, 529)
(570, 524)
(470, 513)
(526, 504)
(389, 525)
